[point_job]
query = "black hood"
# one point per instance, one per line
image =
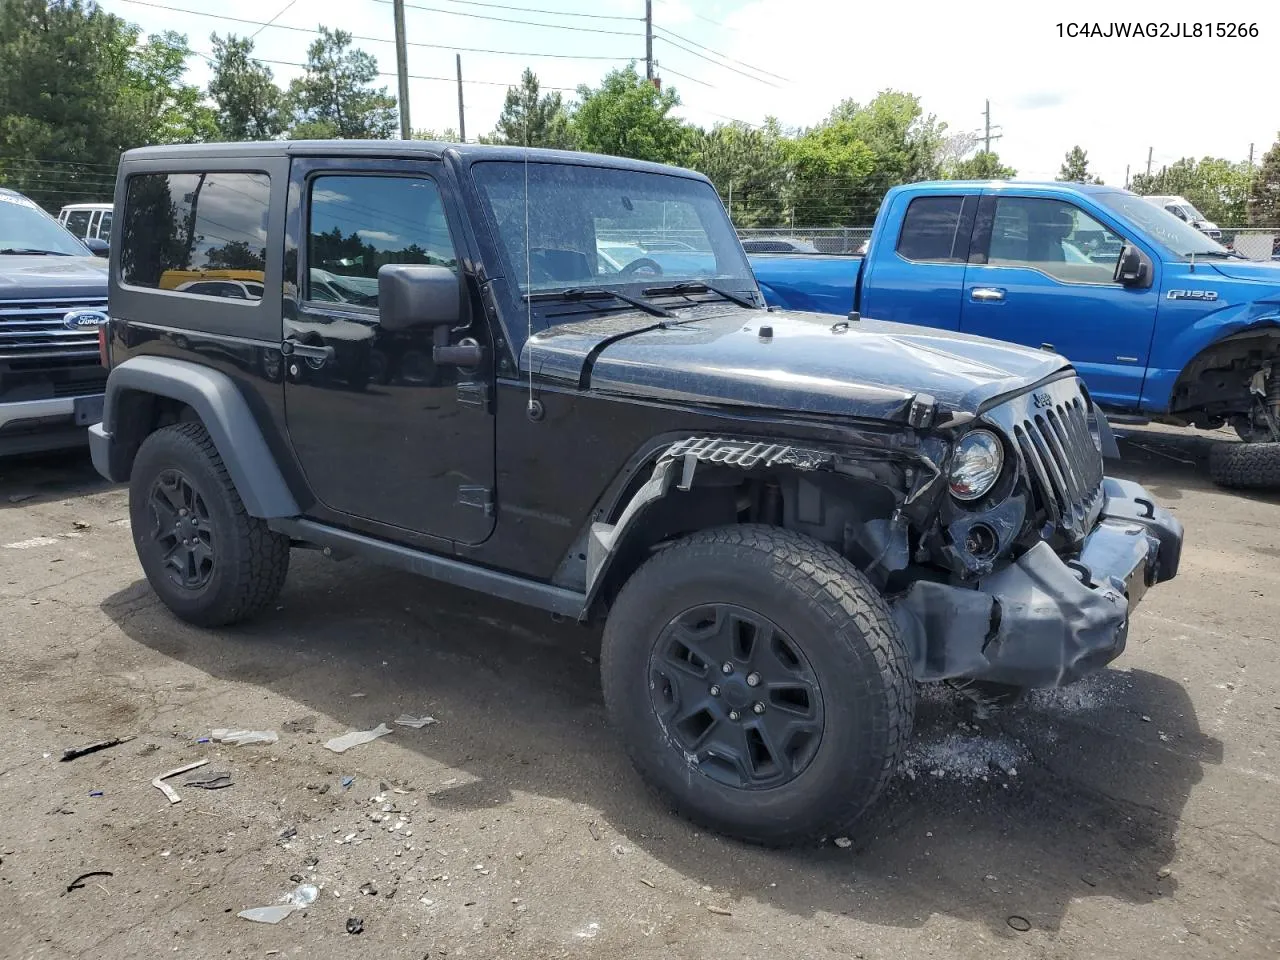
(716, 355)
(48, 278)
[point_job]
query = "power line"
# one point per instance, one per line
(412, 76)
(672, 33)
(523, 23)
(550, 13)
(722, 66)
(283, 11)
(365, 39)
(722, 26)
(683, 76)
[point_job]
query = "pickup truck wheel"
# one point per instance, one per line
(1245, 466)
(207, 559)
(759, 683)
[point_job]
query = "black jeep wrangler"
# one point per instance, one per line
(551, 377)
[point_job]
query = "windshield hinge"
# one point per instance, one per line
(481, 497)
(473, 393)
(921, 412)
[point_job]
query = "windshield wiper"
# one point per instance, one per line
(1231, 254)
(599, 293)
(31, 252)
(701, 286)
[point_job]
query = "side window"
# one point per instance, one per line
(932, 230)
(104, 225)
(78, 222)
(358, 223)
(1053, 237)
(183, 229)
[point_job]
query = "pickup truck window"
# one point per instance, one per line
(936, 230)
(358, 223)
(1053, 237)
(181, 229)
(605, 226)
(1180, 238)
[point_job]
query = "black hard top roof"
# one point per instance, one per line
(467, 153)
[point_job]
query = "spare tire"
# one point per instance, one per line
(1245, 466)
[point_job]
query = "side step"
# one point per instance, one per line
(532, 593)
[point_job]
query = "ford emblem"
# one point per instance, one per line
(79, 319)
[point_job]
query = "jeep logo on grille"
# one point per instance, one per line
(79, 319)
(1042, 400)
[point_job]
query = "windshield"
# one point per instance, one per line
(26, 228)
(599, 226)
(1192, 212)
(1180, 238)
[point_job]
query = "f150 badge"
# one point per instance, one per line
(1192, 295)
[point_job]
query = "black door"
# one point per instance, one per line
(382, 432)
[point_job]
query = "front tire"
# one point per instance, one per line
(209, 561)
(759, 683)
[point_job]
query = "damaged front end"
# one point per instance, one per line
(1044, 595)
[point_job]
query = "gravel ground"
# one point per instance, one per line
(1132, 815)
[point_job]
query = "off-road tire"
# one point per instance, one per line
(844, 628)
(1245, 466)
(250, 561)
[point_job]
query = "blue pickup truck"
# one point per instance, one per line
(1162, 322)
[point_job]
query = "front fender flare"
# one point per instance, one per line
(224, 413)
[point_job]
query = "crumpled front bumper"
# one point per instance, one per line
(1044, 621)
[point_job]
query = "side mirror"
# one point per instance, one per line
(418, 295)
(97, 246)
(1133, 268)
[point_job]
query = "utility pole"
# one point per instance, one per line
(462, 117)
(402, 69)
(1251, 156)
(987, 135)
(1126, 176)
(1150, 151)
(648, 40)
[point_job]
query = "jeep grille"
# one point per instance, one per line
(1050, 428)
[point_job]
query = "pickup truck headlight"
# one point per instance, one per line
(975, 465)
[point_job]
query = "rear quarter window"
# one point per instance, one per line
(933, 230)
(192, 232)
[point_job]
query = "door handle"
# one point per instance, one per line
(292, 348)
(986, 294)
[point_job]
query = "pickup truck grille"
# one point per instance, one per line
(1050, 428)
(32, 335)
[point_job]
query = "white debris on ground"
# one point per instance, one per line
(1094, 692)
(963, 756)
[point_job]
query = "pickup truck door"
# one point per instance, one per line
(1040, 273)
(389, 440)
(918, 275)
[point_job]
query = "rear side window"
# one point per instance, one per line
(932, 230)
(202, 234)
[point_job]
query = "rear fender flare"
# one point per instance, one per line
(225, 414)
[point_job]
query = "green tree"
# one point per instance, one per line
(748, 167)
(64, 116)
(531, 118)
(250, 106)
(169, 110)
(1075, 167)
(1219, 188)
(447, 135)
(983, 165)
(627, 116)
(334, 97)
(1264, 190)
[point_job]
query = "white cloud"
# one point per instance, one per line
(381, 235)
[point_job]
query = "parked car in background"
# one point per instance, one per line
(87, 220)
(1184, 210)
(1162, 322)
(777, 245)
(53, 301)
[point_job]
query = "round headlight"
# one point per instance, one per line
(975, 466)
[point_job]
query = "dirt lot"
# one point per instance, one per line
(1136, 814)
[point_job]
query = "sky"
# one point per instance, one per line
(746, 60)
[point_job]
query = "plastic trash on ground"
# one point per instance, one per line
(242, 738)
(301, 898)
(405, 720)
(356, 737)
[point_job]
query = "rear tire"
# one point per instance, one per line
(823, 726)
(1245, 466)
(209, 561)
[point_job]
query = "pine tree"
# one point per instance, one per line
(1264, 192)
(1075, 167)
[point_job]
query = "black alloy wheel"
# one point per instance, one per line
(182, 529)
(737, 696)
